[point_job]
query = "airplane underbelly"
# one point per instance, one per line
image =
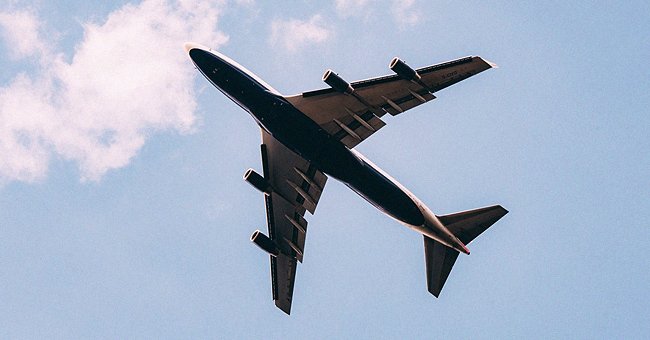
(300, 134)
(373, 186)
(386, 196)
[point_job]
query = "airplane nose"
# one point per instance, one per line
(188, 46)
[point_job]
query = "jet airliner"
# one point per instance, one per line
(312, 135)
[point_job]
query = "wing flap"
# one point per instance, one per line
(298, 182)
(285, 277)
(401, 104)
(354, 127)
(289, 238)
(342, 116)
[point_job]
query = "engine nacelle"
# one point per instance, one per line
(332, 79)
(257, 181)
(403, 70)
(265, 243)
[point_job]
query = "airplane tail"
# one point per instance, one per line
(466, 225)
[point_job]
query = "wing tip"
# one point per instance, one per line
(504, 211)
(286, 308)
(434, 292)
(492, 65)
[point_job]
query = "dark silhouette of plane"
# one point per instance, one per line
(308, 136)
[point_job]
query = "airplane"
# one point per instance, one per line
(310, 136)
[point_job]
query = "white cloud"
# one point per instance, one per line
(128, 77)
(20, 31)
(404, 13)
(295, 34)
(346, 8)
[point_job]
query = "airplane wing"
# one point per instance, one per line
(353, 117)
(297, 187)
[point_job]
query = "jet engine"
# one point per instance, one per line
(265, 243)
(404, 70)
(332, 79)
(257, 181)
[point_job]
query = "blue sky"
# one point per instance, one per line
(123, 213)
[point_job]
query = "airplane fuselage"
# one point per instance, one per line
(303, 136)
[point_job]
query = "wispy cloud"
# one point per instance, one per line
(347, 8)
(245, 2)
(127, 78)
(294, 34)
(404, 14)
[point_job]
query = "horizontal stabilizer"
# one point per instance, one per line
(439, 261)
(467, 225)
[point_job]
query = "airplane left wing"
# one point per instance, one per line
(352, 112)
(296, 187)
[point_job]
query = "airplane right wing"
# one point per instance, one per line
(353, 114)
